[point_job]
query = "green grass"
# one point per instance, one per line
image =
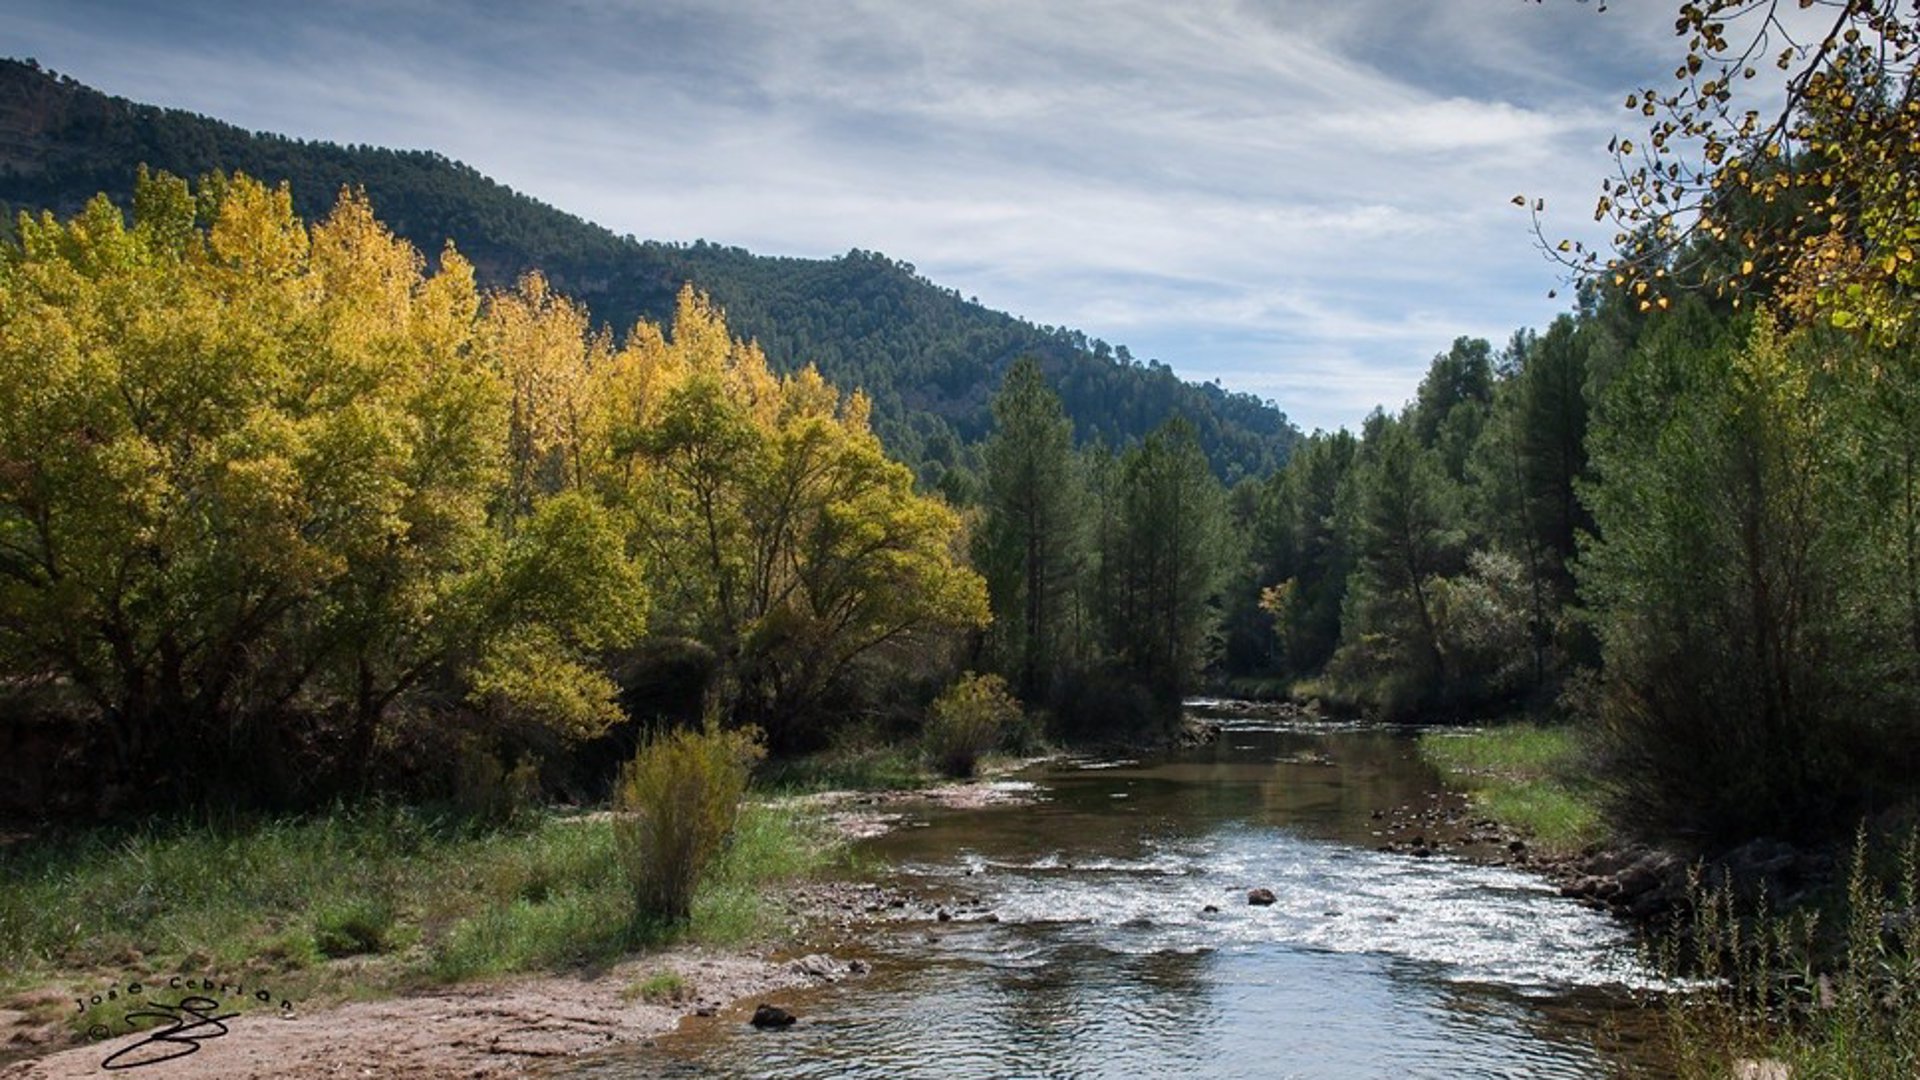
(359, 925)
(770, 844)
(659, 987)
(1824, 998)
(1526, 776)
(853, 768)
(362, 900)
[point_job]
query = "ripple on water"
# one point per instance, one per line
(1105, 962)
(1475, 923)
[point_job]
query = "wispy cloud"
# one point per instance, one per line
(1305, 200)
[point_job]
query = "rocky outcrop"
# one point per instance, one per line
(1194, 731)
(1260, 897)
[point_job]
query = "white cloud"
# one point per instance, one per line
(1308, 200)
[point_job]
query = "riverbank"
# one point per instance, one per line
(378, 919)
(486, 1029)
(1526, 776)
(1800, 960)
(389, 940)
(1530, 784)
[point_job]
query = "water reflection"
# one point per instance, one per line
(1107, 961)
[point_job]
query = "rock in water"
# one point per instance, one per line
(772, 1016)
(1260, 897)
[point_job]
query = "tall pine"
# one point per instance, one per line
(1031, 547)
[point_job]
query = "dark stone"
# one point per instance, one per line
(1260, 897)
(1210, 909)
(772, 1016)
(944, 915)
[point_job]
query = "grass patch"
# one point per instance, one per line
(406, 895)
(356, 926)
(848, 768)
(1526, 776)
(770, 844)
(659, 988)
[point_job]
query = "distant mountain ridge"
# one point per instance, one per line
(928, 358)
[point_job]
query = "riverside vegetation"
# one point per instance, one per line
(287, 518)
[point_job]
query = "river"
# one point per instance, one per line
(1105, 960)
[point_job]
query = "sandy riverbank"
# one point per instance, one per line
(476, 1030)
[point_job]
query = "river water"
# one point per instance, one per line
(1105, 961)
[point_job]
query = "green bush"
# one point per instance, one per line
(1819, 998)
(486, 792)
(967, 721)
(675, 805)
(352, 927)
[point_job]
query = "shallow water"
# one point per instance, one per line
(1106, 963)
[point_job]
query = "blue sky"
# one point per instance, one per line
(1305, 199)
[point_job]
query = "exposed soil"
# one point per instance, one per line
(480, 1030)
(507, 1027)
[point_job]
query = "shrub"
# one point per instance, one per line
(1108, 703)
(487, 792)
(1818, 998)
(352, 927)
(674, 806)
(967, 721)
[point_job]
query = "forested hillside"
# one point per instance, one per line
(928, 358)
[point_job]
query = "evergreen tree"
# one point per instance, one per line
(1031, 547)
(1408, 536)
(1166, 563)
(1727, 589)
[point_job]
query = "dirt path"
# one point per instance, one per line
(482, 1030)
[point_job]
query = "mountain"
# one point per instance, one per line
(928, 358)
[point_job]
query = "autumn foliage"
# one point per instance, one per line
(266, 483)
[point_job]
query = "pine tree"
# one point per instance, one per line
(1031, 548)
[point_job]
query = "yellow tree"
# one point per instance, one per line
(778, 532)
(1781, 157)
(540, 344)
(247, 468)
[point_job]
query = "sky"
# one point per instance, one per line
(1305, 199)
